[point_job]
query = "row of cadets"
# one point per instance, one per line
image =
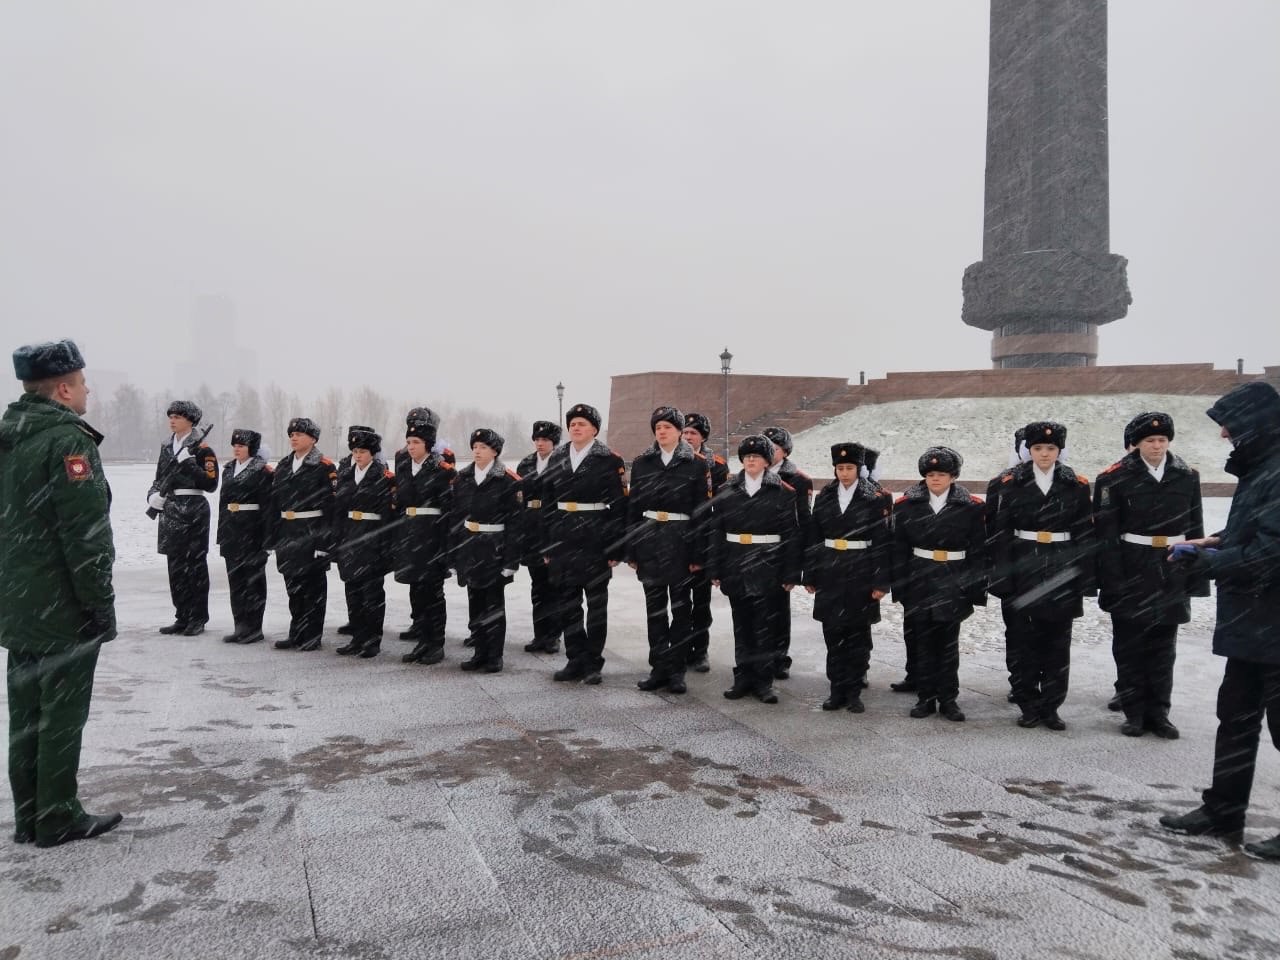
(670, 486)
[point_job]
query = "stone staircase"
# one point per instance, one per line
(808, 412)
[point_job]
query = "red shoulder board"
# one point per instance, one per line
(512, 474)
(719, 459)
(326, 461)
(787, 485)
(1006, 477)
(801, 473)
(976, 499)
(1082, 478)
(901, 499)
(700, 456)
(389, 474)
(77, 466)
(448, 465)
(1114, 466)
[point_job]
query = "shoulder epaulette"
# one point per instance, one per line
(1115, 466)
(448, 465)
(901, 499)
(974, 498)
(801, 473)
(786, 485)
(719, 459)
(326, 461)
(512, 474)
(1082, 479)
(700, 456)
(389, 474)
(1006, 476)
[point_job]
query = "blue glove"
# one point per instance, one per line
(1180, 550)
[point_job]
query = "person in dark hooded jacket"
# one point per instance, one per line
(1244, 561)
(362, 535)
(848, 566)
(185, 471)
(1143, 504)
(242, 529)
(754, 551)
(939, 575)
(669, 486)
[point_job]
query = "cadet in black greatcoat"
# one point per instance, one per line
(183, 533)
(754, 551)
(1011, 649)
(424, 496)
(802, 484)
(1144, 504)
(697, 430)
(486, 545)
(300, 531)
(584, 519)
(243, 512)
(1043, 566)
(363, 527)
(344, 463)
(848, 566)
(542, 595)
(669, 486)
(939, 574)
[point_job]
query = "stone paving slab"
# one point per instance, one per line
(291, 805)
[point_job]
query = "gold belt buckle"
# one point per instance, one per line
(662, 516)
(473, 526)
(534, 504)
(940, 555)
(357, 515)
(571, 507)
(288, 514)
(841, 544)
(744, 538)
(410, 511)
(1161, 541)
(1044, 536)
(233, 507)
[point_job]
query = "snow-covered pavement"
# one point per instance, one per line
(282, 804)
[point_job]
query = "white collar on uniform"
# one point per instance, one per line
(361, 471)
(938, 500)
(845, 494)
(1044, 480)
(298, 461)
(540, 462)
(1158, 470)
(482, 474)
(667, 455)
(415, 466)
(239, 468)
(178, 441)
(576, 456)
(752, 486)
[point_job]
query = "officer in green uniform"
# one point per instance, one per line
(56, 602)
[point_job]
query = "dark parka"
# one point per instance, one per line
(1048, 578)
(56, 550)
(481, 557)
(1135, 581)
(242, 533)
(947, 590)
(184, 522)
(663, 550)
(802, 484)
(580, 544)
(363, 547)
(422, 540)
(756, 569)
(530, 520)
(845, 578)
(1247, 564)
(312, 487)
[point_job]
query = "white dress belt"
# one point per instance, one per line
(186, 492)
(484, 527)
(1043, 536)
(750, 538)
(573, 507)
(940, 555)
(847, 544)
(1156, 541)
(423, 512)
(237, 507)
(662, 516)
(300, 514)
(362, 515)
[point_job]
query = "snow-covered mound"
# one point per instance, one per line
(981, 429)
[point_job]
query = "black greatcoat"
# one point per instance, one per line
(663, 550)
(481, 557)
(364, 546)
(946, 590)
(580, 544)
(845, 579)
(531, 502)
(1044, 580)
(184, 522)
(421, 539)
(756, 569)
(1136, 581)
(802, 484)
(312, 487)
(242, 533)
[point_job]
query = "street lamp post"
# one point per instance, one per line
(725, 359)
(560, 398)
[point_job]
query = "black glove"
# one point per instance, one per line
(98, 626)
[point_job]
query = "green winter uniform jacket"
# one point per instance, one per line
(56, 550)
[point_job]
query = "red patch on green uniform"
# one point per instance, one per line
(77, 467)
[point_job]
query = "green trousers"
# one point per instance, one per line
(48, 706)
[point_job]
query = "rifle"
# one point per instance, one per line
(171, 471)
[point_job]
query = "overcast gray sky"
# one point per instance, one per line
(474, 200)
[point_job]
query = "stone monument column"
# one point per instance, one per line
(1046, 278)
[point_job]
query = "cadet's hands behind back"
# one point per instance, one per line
(98, 626)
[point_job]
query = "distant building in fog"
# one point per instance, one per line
(214, 358)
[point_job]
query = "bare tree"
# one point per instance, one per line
(329, 417)
(248, 410)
